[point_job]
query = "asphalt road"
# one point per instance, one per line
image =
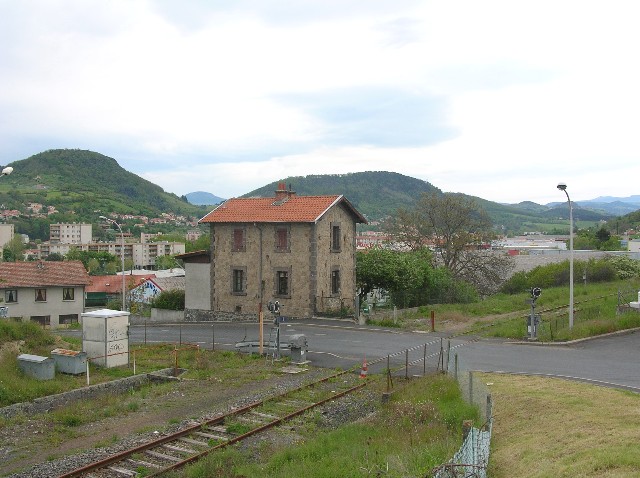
(611, 360)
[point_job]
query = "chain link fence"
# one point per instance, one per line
(472, 459)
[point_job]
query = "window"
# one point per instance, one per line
(68, 319)
(68, 293)
(41, 295)
(41, 319)
(335, 237)
(282, 239)
(239, 243)
(11, 295)
(238, 280)
(283, 286)
(335, 281)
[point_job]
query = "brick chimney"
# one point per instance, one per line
(282, 193)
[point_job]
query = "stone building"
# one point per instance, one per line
(298, 250)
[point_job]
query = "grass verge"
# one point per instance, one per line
(550, 427)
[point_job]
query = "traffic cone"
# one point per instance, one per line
(364, 370)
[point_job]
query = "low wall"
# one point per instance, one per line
(163, 316)
(198, 315)
(51, 402)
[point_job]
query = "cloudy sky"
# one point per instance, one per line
(497, 99)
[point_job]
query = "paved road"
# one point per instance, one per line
(610, 360)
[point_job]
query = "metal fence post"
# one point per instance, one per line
(424, 360)
(406, 364)
(455, 372)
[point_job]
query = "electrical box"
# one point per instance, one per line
(70, 361)
(36, 366)
(105, 337)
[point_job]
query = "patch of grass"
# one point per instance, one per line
(592, 441)
(389, 323)
(238, 428)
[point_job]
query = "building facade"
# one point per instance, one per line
(50, 293)
(7, 231)
(70, 233)
(297, 250)
(143, 255)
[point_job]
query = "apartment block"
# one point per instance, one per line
(142, 255)
(70, 233)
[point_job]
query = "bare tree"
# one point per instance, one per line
(460, 233)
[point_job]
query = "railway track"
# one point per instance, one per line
(186, 446)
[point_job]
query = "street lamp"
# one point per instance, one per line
(563, 187)
(6, 171)
(124, 297)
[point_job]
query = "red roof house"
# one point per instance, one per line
(297, 250)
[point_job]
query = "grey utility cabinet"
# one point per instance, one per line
(105, 337)
(70, 361)
(36, 366)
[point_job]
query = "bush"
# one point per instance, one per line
(557, 274)
(169, 300)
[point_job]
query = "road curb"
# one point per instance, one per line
(576, 341)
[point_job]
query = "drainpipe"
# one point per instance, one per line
(260, 296)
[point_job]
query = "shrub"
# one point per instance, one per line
(169, 300)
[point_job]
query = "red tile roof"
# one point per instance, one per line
(291, 209)
(112, 284)
(43, 273)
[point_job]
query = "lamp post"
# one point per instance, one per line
(111, 221)
(6, 171)
(563, 187)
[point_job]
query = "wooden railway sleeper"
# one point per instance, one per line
(147, 464)
(191, 441)
(163, 456)
(264, 415)
(211, 436)
(122, 471)
(179, 449)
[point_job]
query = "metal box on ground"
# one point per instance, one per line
(36, 366)
(105, 337)
(70, 361)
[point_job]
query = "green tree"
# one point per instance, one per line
(55, 257)
(14, 249)
(166, 262)
(203, 243)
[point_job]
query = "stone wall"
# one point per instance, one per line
(196, 315)
(51, 402)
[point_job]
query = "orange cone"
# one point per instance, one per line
(364, 370)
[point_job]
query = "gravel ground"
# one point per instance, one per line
(186, 403)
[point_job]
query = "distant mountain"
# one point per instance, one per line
(202, 198)
(609, 199)
(376, 194)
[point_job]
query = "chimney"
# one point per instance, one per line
(282, 194)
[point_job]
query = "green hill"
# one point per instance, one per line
(376, 194)
(85, 182)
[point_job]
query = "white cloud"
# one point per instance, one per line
(228, 97)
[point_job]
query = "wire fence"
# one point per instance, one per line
(472, 459)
